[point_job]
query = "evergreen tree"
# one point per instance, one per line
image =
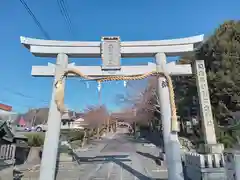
(221, 53)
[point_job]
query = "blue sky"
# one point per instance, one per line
(129, 19)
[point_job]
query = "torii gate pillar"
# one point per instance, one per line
(50, 152)
(171, 143)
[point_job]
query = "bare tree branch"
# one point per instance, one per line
(96, 116)
(145, 101)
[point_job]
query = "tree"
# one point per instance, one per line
(221, 53)
(222, 58)
(145, 102)
(146, 97)
(96, 116)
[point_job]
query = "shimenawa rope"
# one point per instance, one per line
(59, 96)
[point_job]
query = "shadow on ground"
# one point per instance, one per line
(148, 155)
(117, 159)
(147, 137)
(152, 137)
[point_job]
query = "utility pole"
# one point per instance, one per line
(99, 104)
(34, 117)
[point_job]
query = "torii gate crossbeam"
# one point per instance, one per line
(129, 49)
(96, 71)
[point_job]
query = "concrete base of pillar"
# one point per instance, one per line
(161, 159)
(210, 149)
(162, 156)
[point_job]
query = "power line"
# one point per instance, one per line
(23, 95)
(66, 7)
(35, 19)
(65, 13)
(19, 105)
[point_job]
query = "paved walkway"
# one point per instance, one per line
(115, 157)
(121, 158)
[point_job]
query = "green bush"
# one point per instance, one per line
(143, 127)
(227, 140)
(35, 139)
(75, 135)
(75, 144)
(63, 149)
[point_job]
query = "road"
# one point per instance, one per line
(115, 157)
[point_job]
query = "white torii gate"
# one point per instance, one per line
(158, 49)
(96, 71)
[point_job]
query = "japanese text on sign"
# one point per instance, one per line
(111, 53)
(164, 84)
(203, 93)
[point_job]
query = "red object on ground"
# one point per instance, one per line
(22, 122)
(5, 107)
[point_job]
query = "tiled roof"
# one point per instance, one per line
(5, 107)
(9, 136)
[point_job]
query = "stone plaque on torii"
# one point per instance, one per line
(111, 50)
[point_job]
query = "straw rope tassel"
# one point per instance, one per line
(59, 96)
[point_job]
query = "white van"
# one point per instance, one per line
(71, 125)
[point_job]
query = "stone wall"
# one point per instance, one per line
(232, 165)
(211, 166)
(204, 167)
